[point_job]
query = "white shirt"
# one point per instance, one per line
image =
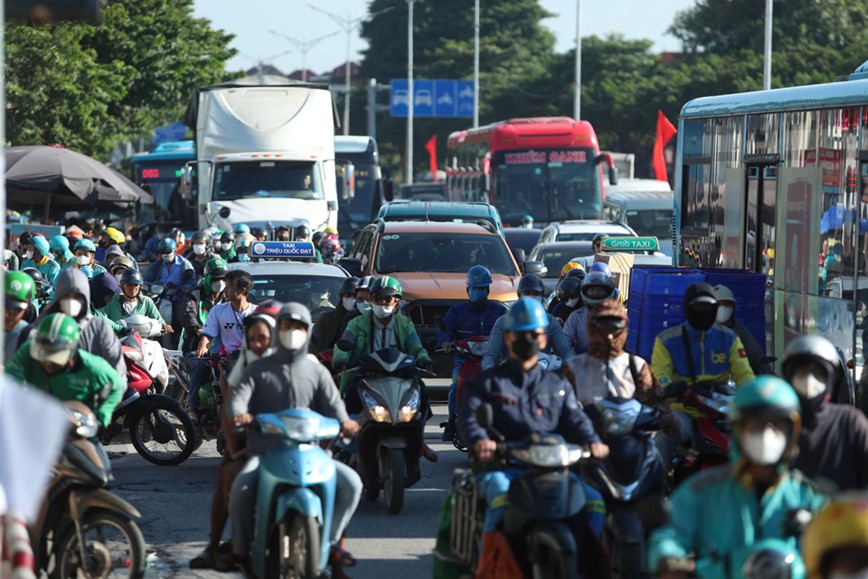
(227, 325)
(593, 382)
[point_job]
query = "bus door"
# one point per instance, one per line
(761, 177)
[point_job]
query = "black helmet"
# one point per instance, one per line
(530, 282)
(577, 273)
(257, 232)
(349, 286)
(199, 237)
(700, 306)
(570, 288)
(817, 350)
(302, 231)
(132, 277)
(42, 284)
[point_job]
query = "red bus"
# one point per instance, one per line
(547, 167)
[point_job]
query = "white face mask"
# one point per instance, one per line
(723, 314)
(199, 249)
(573, 302)
(71, 306)
(226, 246)
(808, 386)
(218, 286)
(764, 448)
(383, 311)
(169, 257)
(363, 307)
(860, 574)
(293, 340)
(349, 303)
(82, 259)
(28, 254)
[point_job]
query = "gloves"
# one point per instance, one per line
(675, 390)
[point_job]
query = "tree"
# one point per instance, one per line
(91, 87)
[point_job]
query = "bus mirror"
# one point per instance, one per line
(388, 189)
(613, 172)
(348, 181)
(613, 175)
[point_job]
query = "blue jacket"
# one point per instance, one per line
(524, 403)
(467, 319)
(557, 342)
(715, 512)
(717, 354)
(181, 275)
(49, 269)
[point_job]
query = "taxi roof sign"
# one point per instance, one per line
(631, 244)
(282, 249)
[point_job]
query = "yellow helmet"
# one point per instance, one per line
(331, 230)
(115, 235)
(843, 522)
(569, 266)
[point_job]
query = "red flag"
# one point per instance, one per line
(665, 131)
(431, 147)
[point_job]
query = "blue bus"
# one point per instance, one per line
(159, 173)
(775, 182)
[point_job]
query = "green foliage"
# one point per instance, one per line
(91, 87)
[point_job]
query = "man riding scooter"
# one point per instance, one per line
(20, 290)
(475, 317)
(131, 302)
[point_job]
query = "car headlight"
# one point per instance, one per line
(378, 412)
(549, 455)
(87, 424)
(409, 410)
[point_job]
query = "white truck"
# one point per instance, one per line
(265, 155)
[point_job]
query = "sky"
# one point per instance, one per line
(251, 20)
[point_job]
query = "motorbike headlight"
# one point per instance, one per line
(618, 423)
(550, 455)
(301, 429)
(87, 424)
(378, 412)
(478, 348)
(409, 410)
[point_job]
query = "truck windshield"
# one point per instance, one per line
(264, 179)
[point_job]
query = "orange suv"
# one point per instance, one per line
(430, 260)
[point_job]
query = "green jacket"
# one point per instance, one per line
(91, 380)
(358, 333)
(327, 328)
(114, 310)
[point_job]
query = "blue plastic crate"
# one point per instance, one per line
(748, 287)
(663, 281)
(656, 304)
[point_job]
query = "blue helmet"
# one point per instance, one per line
(478, 276)
(167, 246)
(601, 267)
(241, 228)
(530, 282)
(525, 315)
(85, 244)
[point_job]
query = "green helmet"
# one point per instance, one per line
(766, 396)
(20, 290)
(386, 286)
(56, 339)
(216, 268)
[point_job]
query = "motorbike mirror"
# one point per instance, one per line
(224, 212)
(653, 511)
(440, 323)
(485, 416)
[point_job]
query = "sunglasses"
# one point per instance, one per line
(384, 300)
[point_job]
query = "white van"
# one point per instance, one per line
(645, 205)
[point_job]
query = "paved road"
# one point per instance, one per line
(175, 506)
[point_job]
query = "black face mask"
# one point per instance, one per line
(525, 346)
(701, 319)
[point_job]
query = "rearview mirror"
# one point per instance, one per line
(520, 256)
(224, 212)
(352, 265)
(347, 173)
(537, 267)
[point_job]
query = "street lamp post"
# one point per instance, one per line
(476, 66)
(767, 59)
(348, 24)
(577, 98)
(410, 93)
(304, 46)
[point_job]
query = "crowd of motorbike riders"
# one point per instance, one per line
(792, 449)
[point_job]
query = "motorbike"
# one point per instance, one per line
(391, 426)
(541, 501)
(295, 500)
(153, 358)
(210, 395)
(632, 472)
(82, 529)
(160, 430)
(163, 297)
(473, 349)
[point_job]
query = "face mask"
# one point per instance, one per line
(527, 225)
(82, 259)
(764, 448)
(28, 254)
(525, 346)
(243, 257)
(809, 386)
(723, 314)
(701, 320)
(363, 307)
(71, 306)
(293, 340)
(861, 574)
(226, 246)
(349, 303)
(199, 249)
(383, 311)
(477, 294)
(573, 302)
(169, 258)
(218, 286)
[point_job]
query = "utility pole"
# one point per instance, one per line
(410, 93)
(304, 46)
(767, 59)
(476, 66)
(577, 98)
(348, 24)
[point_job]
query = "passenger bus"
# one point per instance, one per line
(774, 182)
(548, 168)
(159, 172)
(370, 190)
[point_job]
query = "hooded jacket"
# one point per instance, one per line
(97, 332)
(286, 379)
(101, 287)
(328, 328)
(833, 446)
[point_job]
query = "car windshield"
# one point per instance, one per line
(555, 259)
(318, 293)
(264, 179)
(651, 222)
(443, 252)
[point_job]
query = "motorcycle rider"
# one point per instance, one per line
(726, 317)
(59, 245)
(718, 514)
(289, 377)
(227, 246)
(475, 317)
(554, 298)
(525, 400)
(833, 442)
(54, 362)
(694, 352)
(530, 286)
(569, 297)
(131, 302)
(85, 252)
(302, 233)
(174, 272)
(20, 292)
(119, 264)
(106, 238)
(199, 302)
(597, 287)
(38, 254)
(200, 252)
(835, 544)
(331, 324)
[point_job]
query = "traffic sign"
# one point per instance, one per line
(282, 249)
(631, 244)
(432, 98)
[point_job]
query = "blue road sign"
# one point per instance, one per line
(282, 249)
(432, 98)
